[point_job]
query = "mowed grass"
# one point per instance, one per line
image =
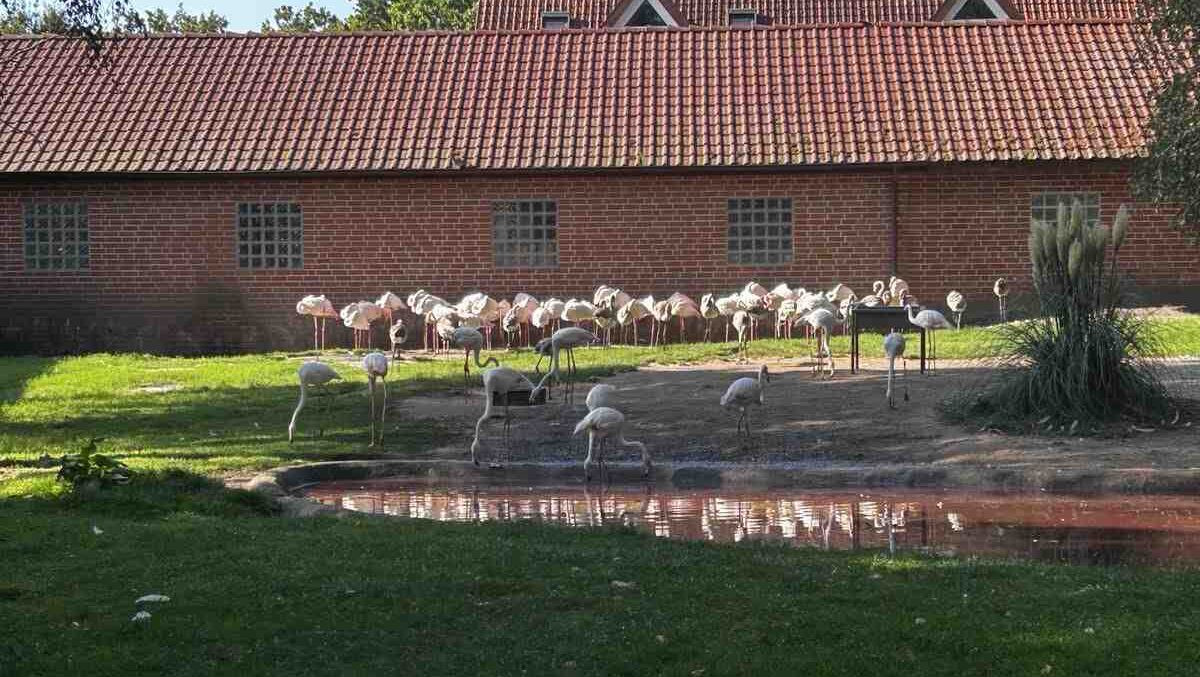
(228, 414)
(256, 594)
(360, 596)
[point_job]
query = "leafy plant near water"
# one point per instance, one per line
(90, 469)
(1081, 362)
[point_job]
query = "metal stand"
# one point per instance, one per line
(883, 319)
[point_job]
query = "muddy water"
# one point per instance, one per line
(1091, 530)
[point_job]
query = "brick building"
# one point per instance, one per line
(183, 194)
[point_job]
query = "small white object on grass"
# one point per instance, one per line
(141, 617)
(97, 530)
(152, 598)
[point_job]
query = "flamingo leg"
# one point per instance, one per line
(371, 394)
(587, 462)
(383, 412)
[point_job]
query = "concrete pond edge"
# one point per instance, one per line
(283, 483)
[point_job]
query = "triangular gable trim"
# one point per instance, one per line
(1003, 9)
(620, 16)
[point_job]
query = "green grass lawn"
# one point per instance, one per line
(356, 596)
(253, 593)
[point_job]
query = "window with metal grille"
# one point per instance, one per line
(525, 233)
(745, 18)
(760, 230)
(1045, 206)
(56, 236)
(270, 235)
(555, 21)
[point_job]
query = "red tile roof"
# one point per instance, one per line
(536, 100)
(526, 14)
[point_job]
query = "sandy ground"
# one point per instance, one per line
(676, 411)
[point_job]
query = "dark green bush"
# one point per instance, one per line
(88, 469)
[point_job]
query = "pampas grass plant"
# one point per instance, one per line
(1081, 364)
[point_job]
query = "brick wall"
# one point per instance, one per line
(162, 260)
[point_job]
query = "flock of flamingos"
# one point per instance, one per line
(469, 326)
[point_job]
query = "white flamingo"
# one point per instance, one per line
(727, 306)
(741, 322)
(555, 308)
(312, 374)
(957, 303)
(629, 315)
(601, 395)
(498, 384)
(359, 318)
(603, 424)
(565, 339)
(822, 321)
(376, 366)
(684, 308)
(660, 314)
(398, 333)
(391, 304)
(898, 288)
(744, 392)
(709, 311)
(1000, 289)
(893, 347)
(930, 321)
(541, 318)
(321, 309)
(470, 341)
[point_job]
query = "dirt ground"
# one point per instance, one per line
(676, 411)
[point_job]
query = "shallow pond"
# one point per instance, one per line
(1084, 530)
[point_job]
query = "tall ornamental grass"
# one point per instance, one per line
(1080, 365)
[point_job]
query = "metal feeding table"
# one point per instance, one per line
(884, 319)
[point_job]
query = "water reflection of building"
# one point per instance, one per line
(1041, 527)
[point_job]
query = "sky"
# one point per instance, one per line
(243, 15)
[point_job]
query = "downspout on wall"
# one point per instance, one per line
(894, 226)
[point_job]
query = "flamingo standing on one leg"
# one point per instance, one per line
(376, 366)
(822, 321)
(893, 347)
(603, 424)
(744, 392)
(398, 333)
(311, 374)
(957, 303)
(710, 312)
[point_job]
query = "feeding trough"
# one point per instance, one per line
(518, 398)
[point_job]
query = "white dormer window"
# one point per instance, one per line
(745, 18)
(555, 21)
(976, 10)
(634, 13)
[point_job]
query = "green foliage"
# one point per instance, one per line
(399, 15)
(1081, 361)
(308, 19)
(159, 21)
(1170, 173)
(90, 469)
(93, 21)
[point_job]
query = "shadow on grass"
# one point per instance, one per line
(16, 373)
(150, 495)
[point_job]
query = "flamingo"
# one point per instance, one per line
(602, 424)
(898, 288)
(470, 340)
(727, 306)
(741, 322)
(524, 306)
(391, 304)
(541, 318)
(568, 339)
(398, 333)
(822, 321)
(775, 300)
(660, 315)
(893, 347)
(510, 324)
(320, 309)
(376, 366)
(311, 374)
(601, 395)
(423, 304)
(709, 311)
(629, 314)
(1000, 289)
(359, 317)
(684, 308)
(930, 321)
(957, 303)
(787, 313)
(555, 308)
(578, 311)
(499, 383)
(744, 392)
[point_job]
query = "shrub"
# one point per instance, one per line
(1081, 362)
(88, 469)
